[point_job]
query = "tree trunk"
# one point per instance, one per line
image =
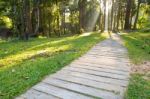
(112, 14)
(37, 16)
(27, 18)
(81, 4)
(64, 23)
(137, 15)
(118, 16)
(122, 18)
(128, 14)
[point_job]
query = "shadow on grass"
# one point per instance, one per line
(45, 49)
(22, 75)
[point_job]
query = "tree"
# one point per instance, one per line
(82, 4)
(27, 17)
(31, 18)
(127, 17)
(137, 14)
(36, 15)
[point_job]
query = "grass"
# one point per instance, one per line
(138, 44)
(23, 64)
(138, 88)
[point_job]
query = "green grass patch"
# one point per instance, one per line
(23, 64)
(138, 88)
(138, 45)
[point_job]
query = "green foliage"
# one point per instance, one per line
(46, 17)
(141, 22)
(144, 19)
(4, 7)
(5, 22)
(37, 58)
(74, 18)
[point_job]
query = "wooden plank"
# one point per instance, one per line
(110, 55)
(97, 49)
(95, 93)
(103, 55)
(102, 66)
(105, 48)
(111, 43)
(100, 48)
(91, 83)
(117, 82)
(102, 69)
(120, 67)
(104, 60)
(33, 94)
(59, 92)
(106, 56)
(107, 53)
(96, 57)
(117, 65)
(103, 74)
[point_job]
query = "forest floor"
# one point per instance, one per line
(138, 44)
(25, 63)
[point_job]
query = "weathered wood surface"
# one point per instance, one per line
(103, 72)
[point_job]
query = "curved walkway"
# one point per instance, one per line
(103, 72)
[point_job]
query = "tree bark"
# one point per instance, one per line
(27, 17)
(137, 15)
(112, 14)
(81, 4)
(37, 16)
(128, 14)
(118, 16)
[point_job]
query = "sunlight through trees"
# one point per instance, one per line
(31, 18)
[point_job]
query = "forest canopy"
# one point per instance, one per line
(31, 18)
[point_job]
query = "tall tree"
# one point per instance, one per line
(36, 15)
(137, 14)
(82, 12)
(127, 17)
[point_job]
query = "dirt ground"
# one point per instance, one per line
(143, 69)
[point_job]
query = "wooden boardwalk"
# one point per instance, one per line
(103, 72)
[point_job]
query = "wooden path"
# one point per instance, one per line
(103, 72)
